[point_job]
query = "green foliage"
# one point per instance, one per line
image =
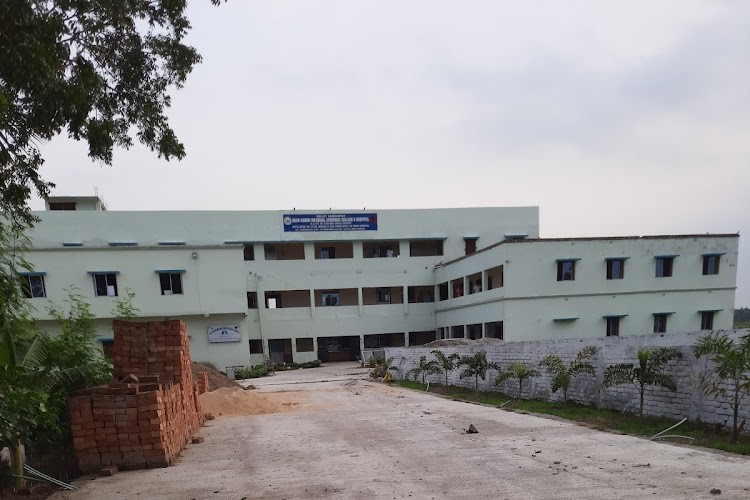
(382, 366)
(124, 308)
(517, 370)
(445, 363)
(256, 371)
(742, 315)
(730, 377)
(649, 371)
(96, 70)
(424, 368)
(562, 373)
(475, 366)
(310, 364)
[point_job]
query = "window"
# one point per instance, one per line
(470, 245)
(252, 300)
(707, 320)
(108, 345)
(664, 267)
(711, 265)
(68, 205)
(613, 326)
(383, 295)
(248, 251)
(566, 270)
(171, 283)
(105, 284)
(305, 345)
(273, 300)
(256, 346)
(33, 286)
(269, 252)
(328, 253)
(615, 269)
(660, 322)
(331, 298)
(443, 291)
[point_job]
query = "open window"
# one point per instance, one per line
(170, 282)
(284, 251)
(494, 277)
(380, 249)
(419, 294)
(32, 285)
(494, 330)
(425, 248)
(105, 283)
(334, 250)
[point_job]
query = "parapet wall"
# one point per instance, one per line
(145, 419)
(687, 401)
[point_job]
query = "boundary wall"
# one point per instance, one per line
(145, 419)
(687, 401)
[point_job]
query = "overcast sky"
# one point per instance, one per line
(616, 118)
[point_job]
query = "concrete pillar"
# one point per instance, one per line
(357, 252)
(406, 339)
(312, 304)
(484, 283)
(309, 250)
(483, 329)
(403, 248)
(405, 298)
(360, 303)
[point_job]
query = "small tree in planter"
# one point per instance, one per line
(446, 363)
(424, 368)
(650, 370)
(731, 371)
(518, 370)
(476, 366)
(562, 373)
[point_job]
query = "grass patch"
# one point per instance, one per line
(705, 435)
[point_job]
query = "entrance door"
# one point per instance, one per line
(280, 350)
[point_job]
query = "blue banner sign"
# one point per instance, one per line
(298, 223)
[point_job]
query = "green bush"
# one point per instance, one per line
(311, 364)
(256, 371)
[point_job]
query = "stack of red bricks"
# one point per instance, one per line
(202, 382)
(145, 420)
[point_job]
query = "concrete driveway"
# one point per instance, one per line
(351, 438)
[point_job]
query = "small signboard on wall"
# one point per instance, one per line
(224, 333)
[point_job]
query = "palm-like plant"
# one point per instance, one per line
(476, 366)
(424, 368)
(650, 370)
(446, 363)
(731, 367)
(562, 373)
(518, 370)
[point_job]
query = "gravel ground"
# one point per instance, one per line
(352, 438)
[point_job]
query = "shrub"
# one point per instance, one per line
(311, 364)
(256, 371)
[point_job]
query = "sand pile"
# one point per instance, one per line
(234, 401)
(216, 378)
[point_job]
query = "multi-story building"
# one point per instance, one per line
(301, 285)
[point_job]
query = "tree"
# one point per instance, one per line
(731, 371)
(563, 373)
(476, 366)
(124, 308)
(518, 370)
(94, 69)
(649, 371)
(424, 368)
(446, 363)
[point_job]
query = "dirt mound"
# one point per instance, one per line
(448, 343)
(234, 401)
(216, 379)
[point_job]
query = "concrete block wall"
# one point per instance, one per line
(687, 401)
(145, 420)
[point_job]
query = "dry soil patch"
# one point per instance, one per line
(236, 401)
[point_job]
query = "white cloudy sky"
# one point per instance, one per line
(614, 117)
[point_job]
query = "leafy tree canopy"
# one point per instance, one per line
(96, 70)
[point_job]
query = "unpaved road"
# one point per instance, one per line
(351, 438)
